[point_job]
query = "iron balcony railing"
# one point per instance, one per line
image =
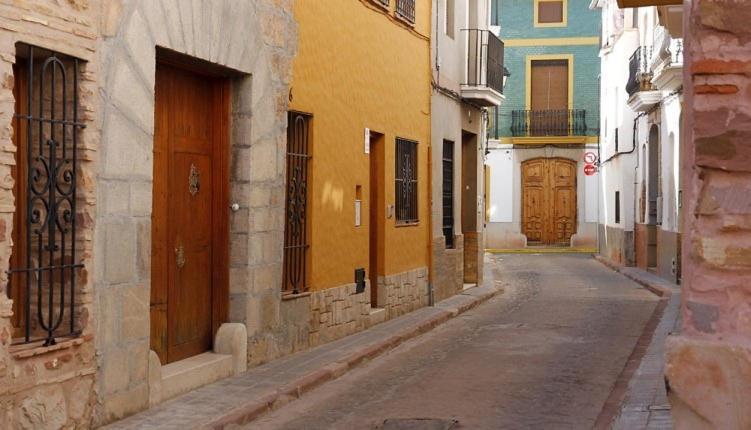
(484, 60)
(559, 122)
(639, 73)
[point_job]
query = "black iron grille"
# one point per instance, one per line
(295, 235)
(552, 122)
(44, 264)
(406, 181)
(448, 192)
(406, 10)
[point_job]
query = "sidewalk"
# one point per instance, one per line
(241, 399)
(645, 404)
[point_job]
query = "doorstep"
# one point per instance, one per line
(240, 399)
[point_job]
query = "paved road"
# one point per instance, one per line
(543, 355)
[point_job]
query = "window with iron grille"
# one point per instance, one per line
(406, 181)
(295, 228)
(405, 9)
(448, 192)
(44, 263)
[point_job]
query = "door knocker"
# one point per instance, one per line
(194, 180)
(180, 256)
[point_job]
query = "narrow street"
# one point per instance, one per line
(544, 354)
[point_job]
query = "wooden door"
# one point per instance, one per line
(189, 219)
(549, 201)
(549, 98)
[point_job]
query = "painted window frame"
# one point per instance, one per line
(536, 20)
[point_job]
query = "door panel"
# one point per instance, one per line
(549, 201)
(188, 221)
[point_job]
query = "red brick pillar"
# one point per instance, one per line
(709, 363)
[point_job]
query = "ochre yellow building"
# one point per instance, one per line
(364, 66)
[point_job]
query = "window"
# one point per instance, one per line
(495, 18)
(296, 219)
(448, 192)
(405, 9)
(550, 13)
(406, 181)
(617, 207)
(44, 262)
(450, 9)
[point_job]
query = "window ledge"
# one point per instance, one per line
(290, 296)
(404, 19)
(408, 224)
(35, 348)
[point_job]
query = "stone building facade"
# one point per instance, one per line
(101, 365)
(709, 364)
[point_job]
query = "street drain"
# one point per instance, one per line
(418, 424)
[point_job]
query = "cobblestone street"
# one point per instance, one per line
(544, 354)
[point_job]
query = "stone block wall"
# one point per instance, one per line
(448, 268)
(338, 312)
(709, 365)
(403, 292)
(50, 387)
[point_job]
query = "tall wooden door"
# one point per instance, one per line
(189, 219)
(549, 201)
(549, 98)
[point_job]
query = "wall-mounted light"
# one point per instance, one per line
(506, 74)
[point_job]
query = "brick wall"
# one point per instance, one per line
(49, 387)
(709, 364)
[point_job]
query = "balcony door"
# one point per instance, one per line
(549, 98)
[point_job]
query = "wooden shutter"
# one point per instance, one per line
(549, 85)
(549, 12)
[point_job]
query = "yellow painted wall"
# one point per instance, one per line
(358, 67)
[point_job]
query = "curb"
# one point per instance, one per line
(297, 388)
(656, 289)
(612, 407)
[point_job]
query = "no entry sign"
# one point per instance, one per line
(589, 169)
(590, 157)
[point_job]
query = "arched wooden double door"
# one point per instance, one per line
(549, 201)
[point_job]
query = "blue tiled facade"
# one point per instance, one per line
(516, 19)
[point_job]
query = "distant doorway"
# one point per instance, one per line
(549, 201)
(469, 208)
(377, 213)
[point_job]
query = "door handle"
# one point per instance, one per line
(180, 256)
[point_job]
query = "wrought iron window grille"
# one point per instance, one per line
(406, 181)
(295, 228)
(405, 9)
(45, 260)
(448, 193)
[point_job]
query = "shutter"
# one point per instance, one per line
(549, 85)
(549, 12)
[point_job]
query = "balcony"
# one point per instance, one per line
(667, 61)
(549, 123)
(484, 71)
(642, 93)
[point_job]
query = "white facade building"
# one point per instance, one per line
(641, 89)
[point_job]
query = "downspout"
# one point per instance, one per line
(431, 292)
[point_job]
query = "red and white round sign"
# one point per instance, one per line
(590, 157)
(589, 169)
